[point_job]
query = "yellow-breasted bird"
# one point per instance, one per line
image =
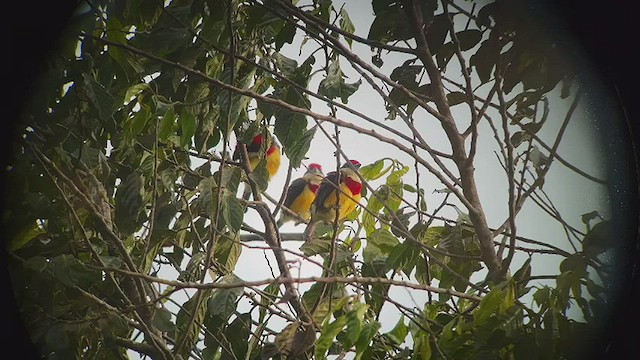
(348, 188)
(258, 150)
(300, 195)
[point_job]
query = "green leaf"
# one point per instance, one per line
(355, 318)
(232, 211)
(422, 274)
(260, 175)
(485, 58)
(399, 332)
(422, 347)
(377, 60)
(537, 158)
(519, 137)
(71, 271)
(162, 320)
(134, 90)
(437, 32)
(390, 24)
(444, 55)
(293, 340)
(231, 177)
(291, 127)
(297, 151)
(542, 296)
(167, 124)
(406, 74)
(37, 263)
(586, 218)
(456, 97)
(112, 261)
(187, 331)
(25, 236)
(370, 218)
(575, 263)
(317, 246)
(374, 171)
(346, 25)
(267, 297)
(223, 301)
(432, 235)
(208, 134)
(214, 326)
(396, 176)
(241, 330)
(327, 334)
(485, 14)
(285, 35)
(400, 222)
(468, 38)
(488, 306)
(334, 86)
(286, 65)
(137, 123)
(99, 97)
(188, 126)
(403, 257)
(227, 252)
(193, 270)
(383, 240)
(129, 203)
(523, 274)
(369, 330)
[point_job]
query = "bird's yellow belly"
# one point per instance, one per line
(302, 203)
(273, 163)
(347, 204)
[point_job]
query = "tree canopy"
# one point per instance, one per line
(126, 223)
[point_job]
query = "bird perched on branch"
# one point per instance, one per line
(261, 148)
(341, 190)
(300, 195)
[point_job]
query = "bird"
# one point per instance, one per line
(257, 151)
(347, 190)
(300, 195)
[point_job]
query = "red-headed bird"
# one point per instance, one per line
(346, 192)
(258, 150)
(301, 194)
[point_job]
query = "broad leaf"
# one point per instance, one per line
(222, 302)
(334, 86)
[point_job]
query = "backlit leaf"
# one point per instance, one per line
(346, 25)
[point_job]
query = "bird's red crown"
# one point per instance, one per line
(314, 166)
(354, 163)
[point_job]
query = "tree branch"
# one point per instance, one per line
(285, 281)
(465, 167)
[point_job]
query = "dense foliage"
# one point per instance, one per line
(110, 218)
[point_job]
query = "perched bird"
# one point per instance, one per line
(258, 150)
(301, 194)
(324, 206)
